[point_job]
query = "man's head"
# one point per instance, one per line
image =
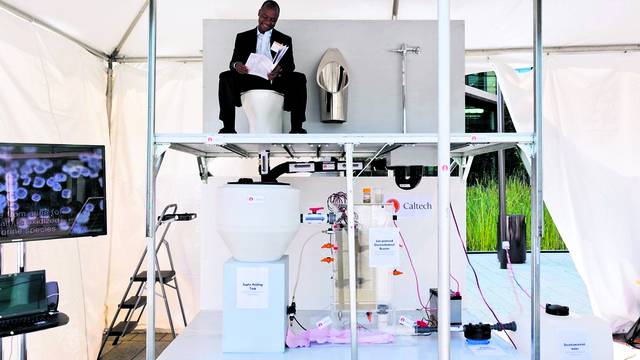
(268, 15)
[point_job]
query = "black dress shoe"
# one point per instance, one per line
(298, 131)
(227, 131)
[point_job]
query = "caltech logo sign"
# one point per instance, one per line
(410, 205)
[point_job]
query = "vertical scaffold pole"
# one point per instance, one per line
(353, 301)
(537, 230)
(151, 194)
(444, 156)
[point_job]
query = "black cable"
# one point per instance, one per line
(475, 274)
(298, 322)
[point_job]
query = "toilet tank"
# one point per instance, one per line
(257, 221)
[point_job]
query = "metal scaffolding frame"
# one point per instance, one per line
(157, 144)
(443, 139)
(205, 146)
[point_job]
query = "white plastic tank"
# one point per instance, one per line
(565, 337)
(257, 221)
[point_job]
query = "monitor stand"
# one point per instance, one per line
(22, 264)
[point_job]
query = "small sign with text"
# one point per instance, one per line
(383, 246)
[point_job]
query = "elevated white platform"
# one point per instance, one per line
(316, 145)
(202, 339)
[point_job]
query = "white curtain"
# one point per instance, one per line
(178, 110)
(52, 91)
(591, 162)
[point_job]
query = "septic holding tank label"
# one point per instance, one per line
(252, 288)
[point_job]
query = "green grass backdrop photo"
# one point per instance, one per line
(482, 214)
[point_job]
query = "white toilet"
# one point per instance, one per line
(264, 111)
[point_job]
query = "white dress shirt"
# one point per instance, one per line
(263, 44)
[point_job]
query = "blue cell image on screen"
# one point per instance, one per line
(51, 191)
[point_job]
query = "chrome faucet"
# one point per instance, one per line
(404, 49)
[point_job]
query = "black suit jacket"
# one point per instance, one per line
(246, 44)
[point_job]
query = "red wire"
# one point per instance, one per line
(457, 283)
(476, 275)
(415, 274)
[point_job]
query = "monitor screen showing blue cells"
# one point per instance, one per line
(52, 191)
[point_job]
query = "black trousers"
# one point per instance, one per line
(292, 85)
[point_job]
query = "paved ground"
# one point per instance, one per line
(132, 346)
(559, 283)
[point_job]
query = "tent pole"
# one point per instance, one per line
(151, 199)
(23, 15)
(470, 52)
(444, 156)
(109, 92)
(137, 59)
(557, 49)
(126, 34)
(537, 193)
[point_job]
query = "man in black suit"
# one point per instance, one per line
(283, 79)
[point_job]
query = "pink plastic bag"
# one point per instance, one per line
(326, 335)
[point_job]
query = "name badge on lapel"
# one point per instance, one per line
(276, 46)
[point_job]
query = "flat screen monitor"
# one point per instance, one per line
(51, 191)
(23, 294)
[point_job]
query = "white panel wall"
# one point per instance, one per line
(375, 92)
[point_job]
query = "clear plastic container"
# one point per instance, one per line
(366, 195)
(565, 337)
(378, 196)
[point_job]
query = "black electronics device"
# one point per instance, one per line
(51, 191)
(22, 295)
(483, 331)
(53, 295)
(28, 303)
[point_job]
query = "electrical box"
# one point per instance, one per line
(456, 306)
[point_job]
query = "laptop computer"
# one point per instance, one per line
(23, 298)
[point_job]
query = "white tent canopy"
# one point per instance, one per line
(53, 91)
(489, 24)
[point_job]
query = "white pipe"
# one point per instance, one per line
(151, 199)
(353, 301)
(444, 148)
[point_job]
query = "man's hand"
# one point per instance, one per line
(240, 68)
(275, 72)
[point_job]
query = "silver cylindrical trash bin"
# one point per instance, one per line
(333, 78)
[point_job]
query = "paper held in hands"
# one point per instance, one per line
(261, 65)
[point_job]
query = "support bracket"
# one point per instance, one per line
(203, 169)
(158, 157)
(526, 152)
